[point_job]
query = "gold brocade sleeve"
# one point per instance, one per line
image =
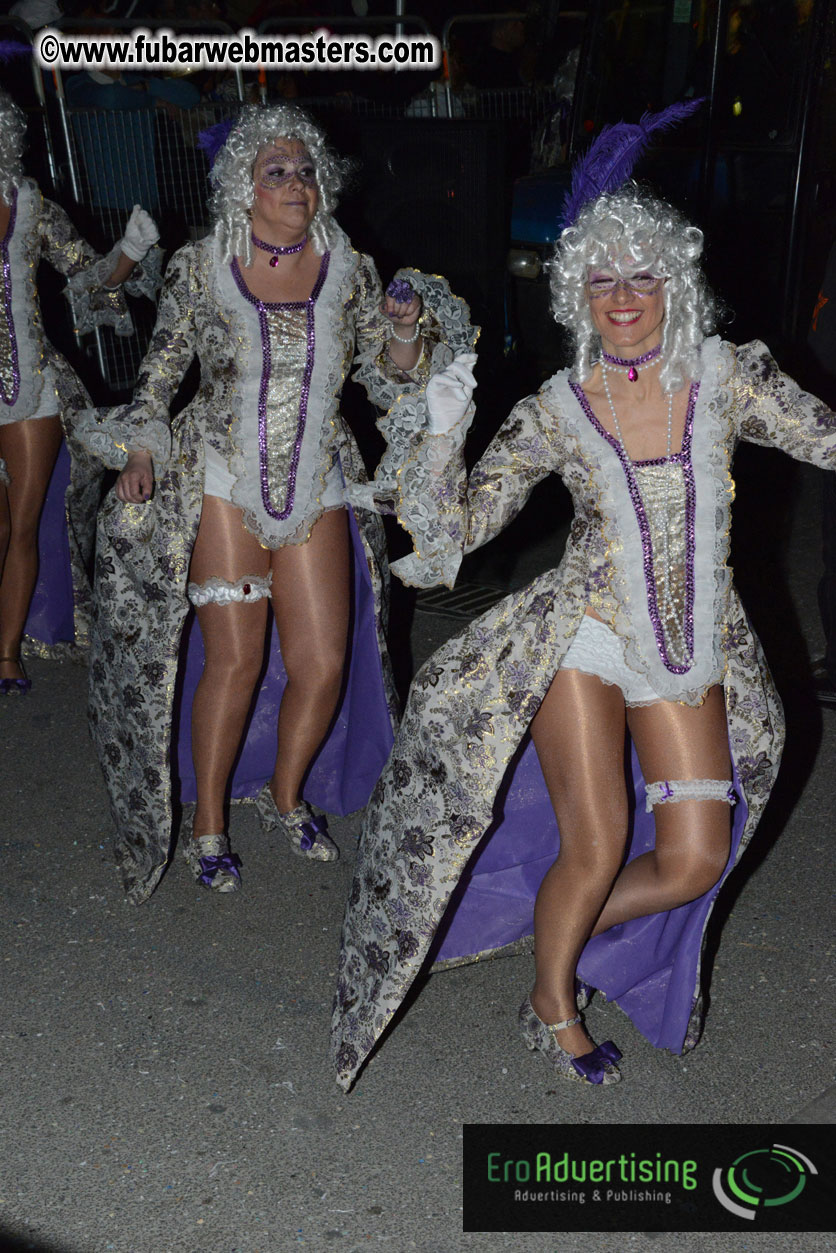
(144, 423)
(447, 514)
(520, 455)
(61, 244)
(769, 408)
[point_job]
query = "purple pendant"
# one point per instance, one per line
(274, 261)
(632, 373)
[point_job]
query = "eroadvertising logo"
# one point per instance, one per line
(773, 1176)
(647, 1177)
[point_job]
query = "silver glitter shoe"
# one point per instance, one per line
(304, 831)
(211, 862)
(598, 1066)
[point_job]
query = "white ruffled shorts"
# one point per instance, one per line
(47, 406)
(217, 480)
(596, 649)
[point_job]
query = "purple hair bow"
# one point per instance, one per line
(609, 161)
(214, 137)
(593, 1065)
(228, 862)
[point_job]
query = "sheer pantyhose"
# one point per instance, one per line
(29, 450)
(579, 736)
(311, 597)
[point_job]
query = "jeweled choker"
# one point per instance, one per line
(278, 250)
(629, 363)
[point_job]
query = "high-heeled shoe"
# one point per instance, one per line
(304, 831)
(597, 1066)
(211, 862)
(15, 687)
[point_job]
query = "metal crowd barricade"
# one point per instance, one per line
(113, 159)
(108, 160)
(119, 159)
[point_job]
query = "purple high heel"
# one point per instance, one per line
(15, 687)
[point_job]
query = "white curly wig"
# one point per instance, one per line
(632, 223)
(232, 175)
(12, 137)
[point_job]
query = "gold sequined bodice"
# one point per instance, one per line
(663, 493)
(287, 327)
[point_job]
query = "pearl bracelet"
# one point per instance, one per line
(412, 337)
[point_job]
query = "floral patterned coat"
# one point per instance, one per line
(463, 738)
(30, 367)
(143, 551)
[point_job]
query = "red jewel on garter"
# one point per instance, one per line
(629, 363)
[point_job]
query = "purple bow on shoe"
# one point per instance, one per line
(309, 832)
(14, 687)
(227, 862)
(592, 1065)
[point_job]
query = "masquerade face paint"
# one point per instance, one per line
(627, 309)
(286, 196)
(605, 282)
(282, 163)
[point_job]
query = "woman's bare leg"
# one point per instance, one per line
(692, 836)
(311, 602)
(579, 736)
(29, 450)
(233, 642)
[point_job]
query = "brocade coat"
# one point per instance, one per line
(31, 370)
(143, 551)
(463, 763)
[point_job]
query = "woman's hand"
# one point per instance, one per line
(403, 313)
(450, 392)
(403, 308)
(136, 482)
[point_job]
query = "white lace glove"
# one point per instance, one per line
(449, 393)
(140, 234)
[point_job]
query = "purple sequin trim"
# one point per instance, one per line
(628, 361)
(684, 458)
(262, 306)
(7, 301)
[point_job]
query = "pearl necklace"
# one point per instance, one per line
(278, 250)
(664, 581)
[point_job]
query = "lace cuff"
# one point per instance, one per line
(446, 322)
(95, 305)
(430, 506)
(112, 434)
(431, 335)
(421, 475)
(146, 278)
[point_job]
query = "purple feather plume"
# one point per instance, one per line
(10, 48)
(610, 160)
(214, 137)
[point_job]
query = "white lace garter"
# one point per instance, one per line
(246, 590)
(690, 790)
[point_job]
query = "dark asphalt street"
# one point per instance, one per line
(166, 1086)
